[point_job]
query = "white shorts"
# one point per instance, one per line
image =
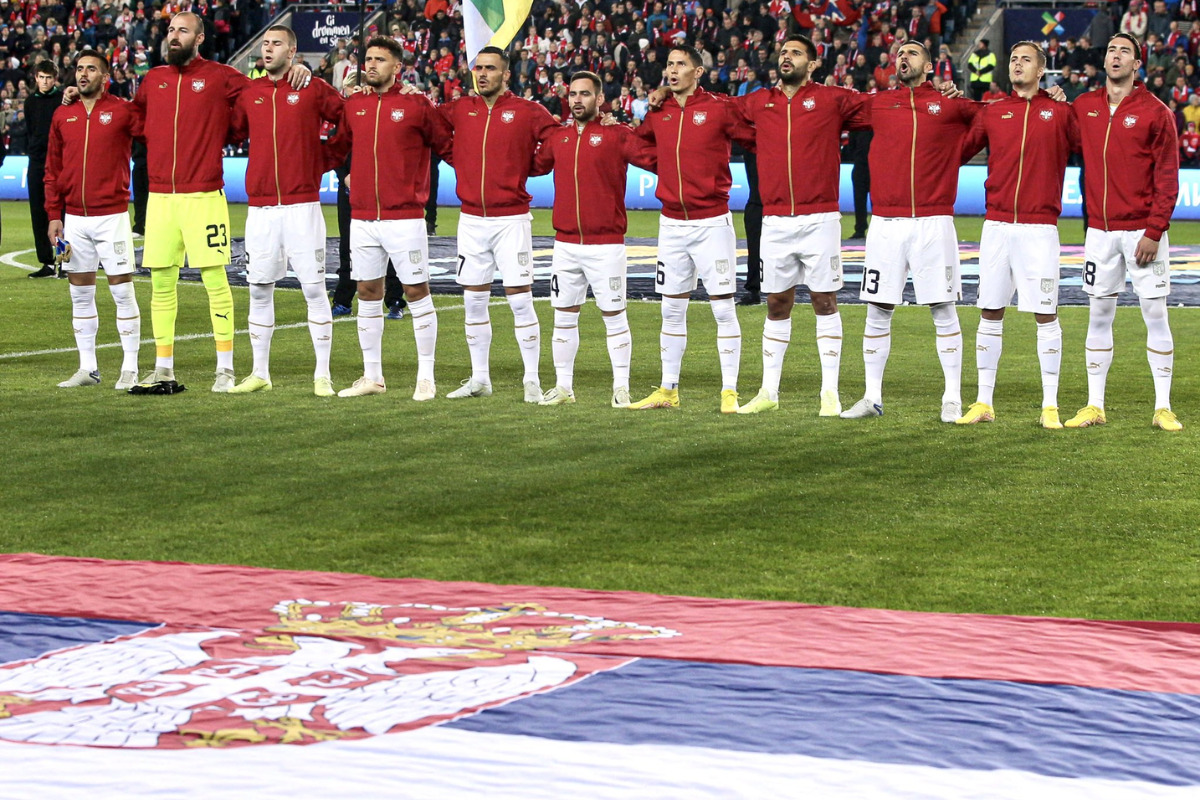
(276, 235)
(691, 250)
(403, 241)
(577, 266)
(802, 250)
(486, 244)
(1109, 256)
(926, 246)
(1021, 258)
(96, 242)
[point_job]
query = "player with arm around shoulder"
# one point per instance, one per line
(87, 176)
(1131, 182)
(691, 133)
(1030, 137)
(496, 135)
(798, 126)
(914, 161)
(284, 223)
(589, 161)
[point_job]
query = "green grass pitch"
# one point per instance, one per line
(897, 512)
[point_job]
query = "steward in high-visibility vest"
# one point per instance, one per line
(981, 67)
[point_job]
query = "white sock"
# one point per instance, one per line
(564, 346)
(877, 345)
(370, 338)
(729, 341)
(777, 334)
(225, 360)
(989, 339)
(620, 348)
(164, 362)
(528, 332)
(425, 330)
(949, 347)
(829, 347)
(129, 323)
(1099, 347)
(673, 339)
(261, 322)
(1049, 345)
(85, 321)
(320, 325)
(478, 324)
(1160, 348)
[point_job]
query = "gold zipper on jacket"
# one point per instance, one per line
(375, 161)
(175, 133)
(483, 163)
(912, 154)
(791, 190)
(1104, 207)
(679, 165)
(1021, 163)
(578, 217)
(87, 133)
(275, 142)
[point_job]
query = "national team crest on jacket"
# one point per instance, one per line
(397, 114)
(699, 117)
(105, 117)
(198, 85)
(508, 116)
(595, 139)
(1130, 120)
(1046, 114)
(293, 98)
(809, 104)
(934, 108)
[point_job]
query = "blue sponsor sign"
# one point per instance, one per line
(318, 31)
(641, 185)
(1039, 24)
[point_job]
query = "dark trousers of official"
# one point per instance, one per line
(860, 179)
(343, 292)
(752, 217)
(141, 192)
(37, 213)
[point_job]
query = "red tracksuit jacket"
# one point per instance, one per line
(493, 151)
(915, 154)
(1029, 141)
(284, 128)
(87, 163)
(692, 147)
(389, 137)
(1131, 161)
(799, 144)
(589, 179)
(185, 114)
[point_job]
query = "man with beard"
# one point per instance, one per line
(284, 223)
(87, 175)
(914, 181)
(1131, 182)
(185, 109)
(798, 127)
(1028, 136)
(389, 135)
(589, 162)
(495, 136)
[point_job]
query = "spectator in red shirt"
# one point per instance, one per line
(993, 93)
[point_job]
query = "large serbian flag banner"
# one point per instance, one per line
(134, 679)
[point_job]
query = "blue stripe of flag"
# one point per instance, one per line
(30, 635)
(1053, 730)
